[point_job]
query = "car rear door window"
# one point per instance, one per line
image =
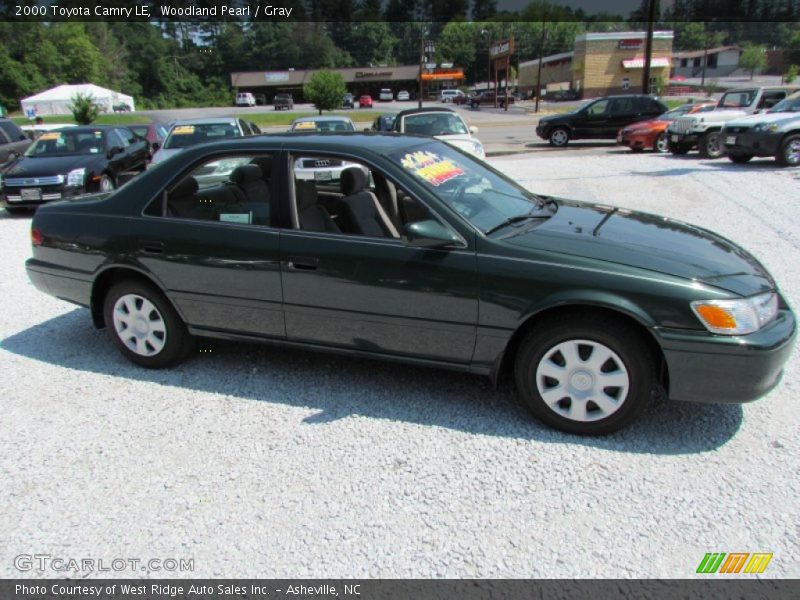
(11, 130)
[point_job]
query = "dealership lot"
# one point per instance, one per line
(255, 461)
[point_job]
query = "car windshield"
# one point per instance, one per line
(61, 143)
(183, 136)
(484, 197)
(790, 104)
(332, 125)
(435, 124)
(738, 99)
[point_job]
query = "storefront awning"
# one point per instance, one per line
(638, 63)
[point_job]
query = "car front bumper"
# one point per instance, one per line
(704, 367)
(637, 140)
(749, 142)
(683, 139)
(13, 197)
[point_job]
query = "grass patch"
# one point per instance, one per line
(277, 118)
(106, 119)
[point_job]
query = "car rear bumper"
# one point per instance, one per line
(67, 285)
(704, 367)
(757, 144)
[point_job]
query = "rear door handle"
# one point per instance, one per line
(302, 263)
(153, 247)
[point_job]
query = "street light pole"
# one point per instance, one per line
(648, 49)
(421, 58)
(541, 59)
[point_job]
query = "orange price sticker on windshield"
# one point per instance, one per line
(305, 125)
(183, 130)
(49, 136)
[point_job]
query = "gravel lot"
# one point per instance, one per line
(264, 462)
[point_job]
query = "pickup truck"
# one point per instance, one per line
(283, 101)
(702, 131)
(488, 98)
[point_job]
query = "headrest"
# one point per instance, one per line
(265, 164)
(186, 187)
(305, 193)
(353, 181)
(246, 174)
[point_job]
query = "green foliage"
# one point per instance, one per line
(84, 110)
(791, 74)
(325, 90)
(752, 58)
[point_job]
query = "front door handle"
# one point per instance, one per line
(302, 263)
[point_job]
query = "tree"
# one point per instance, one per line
(84, 109)
(752, 58)
(791, 74)
(325, 90)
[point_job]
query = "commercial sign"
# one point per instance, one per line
(372, 74)
(630, 44)
(276, 77)
(502, 48)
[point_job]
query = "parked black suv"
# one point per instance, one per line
(12, 139)
(601, 118)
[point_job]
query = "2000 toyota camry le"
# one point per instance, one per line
(421, 253)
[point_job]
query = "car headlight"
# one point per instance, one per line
(478, 149)
(762, 127)
(76, 177)
(737, 317)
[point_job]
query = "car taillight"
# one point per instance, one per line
(36, 237)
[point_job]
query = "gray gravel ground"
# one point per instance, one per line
(264, 462)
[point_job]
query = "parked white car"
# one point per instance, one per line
(386, 95)
(245, 99)
(451, 95)
(442, 123)
(189, 132)
(403, 96)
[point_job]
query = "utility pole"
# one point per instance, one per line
(705, 55)
(541, 59)
(648, 51)
(421, 58)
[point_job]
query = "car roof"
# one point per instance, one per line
(82, 128)
(432, 109)
(205, 121)
(323, 118)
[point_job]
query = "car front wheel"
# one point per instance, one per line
(144, 325)
(710, 145)
(662, 143)
(559, 137)
(106, 184)
(585, 375)
(789, 152)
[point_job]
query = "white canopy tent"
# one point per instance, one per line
(58, 100)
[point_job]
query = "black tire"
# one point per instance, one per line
(678, 149)
(177, 343)
(788, 154)
(587, 332)
(637, 149)
(106, 183)
(710, 145)
(558, 137)
(661, 144)
(19, 211)
(739, 159)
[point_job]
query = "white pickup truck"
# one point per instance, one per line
(703, 130)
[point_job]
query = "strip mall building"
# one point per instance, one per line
(358, 80)
(601, 64)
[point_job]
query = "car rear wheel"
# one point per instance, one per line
(559, 137)
(662, 143)
(789, 153)
(144, 325)
(587, 375)
(740, 158)
(710, 145)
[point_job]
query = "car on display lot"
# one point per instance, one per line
(365, 101)
(774, 133)
(36, 130)
(403, 96)
(601, 118)
(70, 162)
(190, 132)
(442, 123)
(383, 123)
(154, 133)
(348, 101)
(13, 140)
(703, 131)
(653, 134)
(322, 124)
(385, 95)
(422, 254)
(283, 102)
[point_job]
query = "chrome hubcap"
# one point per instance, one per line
(712, 145)
(106, 184)
(582, 380)
(661, 143)
(139, 325)
(559, 137)
(793, 152)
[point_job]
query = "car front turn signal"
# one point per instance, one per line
(737, 317)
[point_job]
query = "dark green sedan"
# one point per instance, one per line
(405, 248)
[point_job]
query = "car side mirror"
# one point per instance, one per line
(156, 146)
(473, 130)
(13, 155)
(429, 234)
(115, 150)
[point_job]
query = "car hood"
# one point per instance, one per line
(752, 120)
(647, 241)
(42, 166)
(646, 125)
(718, 115)
(163, 154)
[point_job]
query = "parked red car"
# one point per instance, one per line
(365, 101)
(653, 133)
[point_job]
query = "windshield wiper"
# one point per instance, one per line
(514, 219)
